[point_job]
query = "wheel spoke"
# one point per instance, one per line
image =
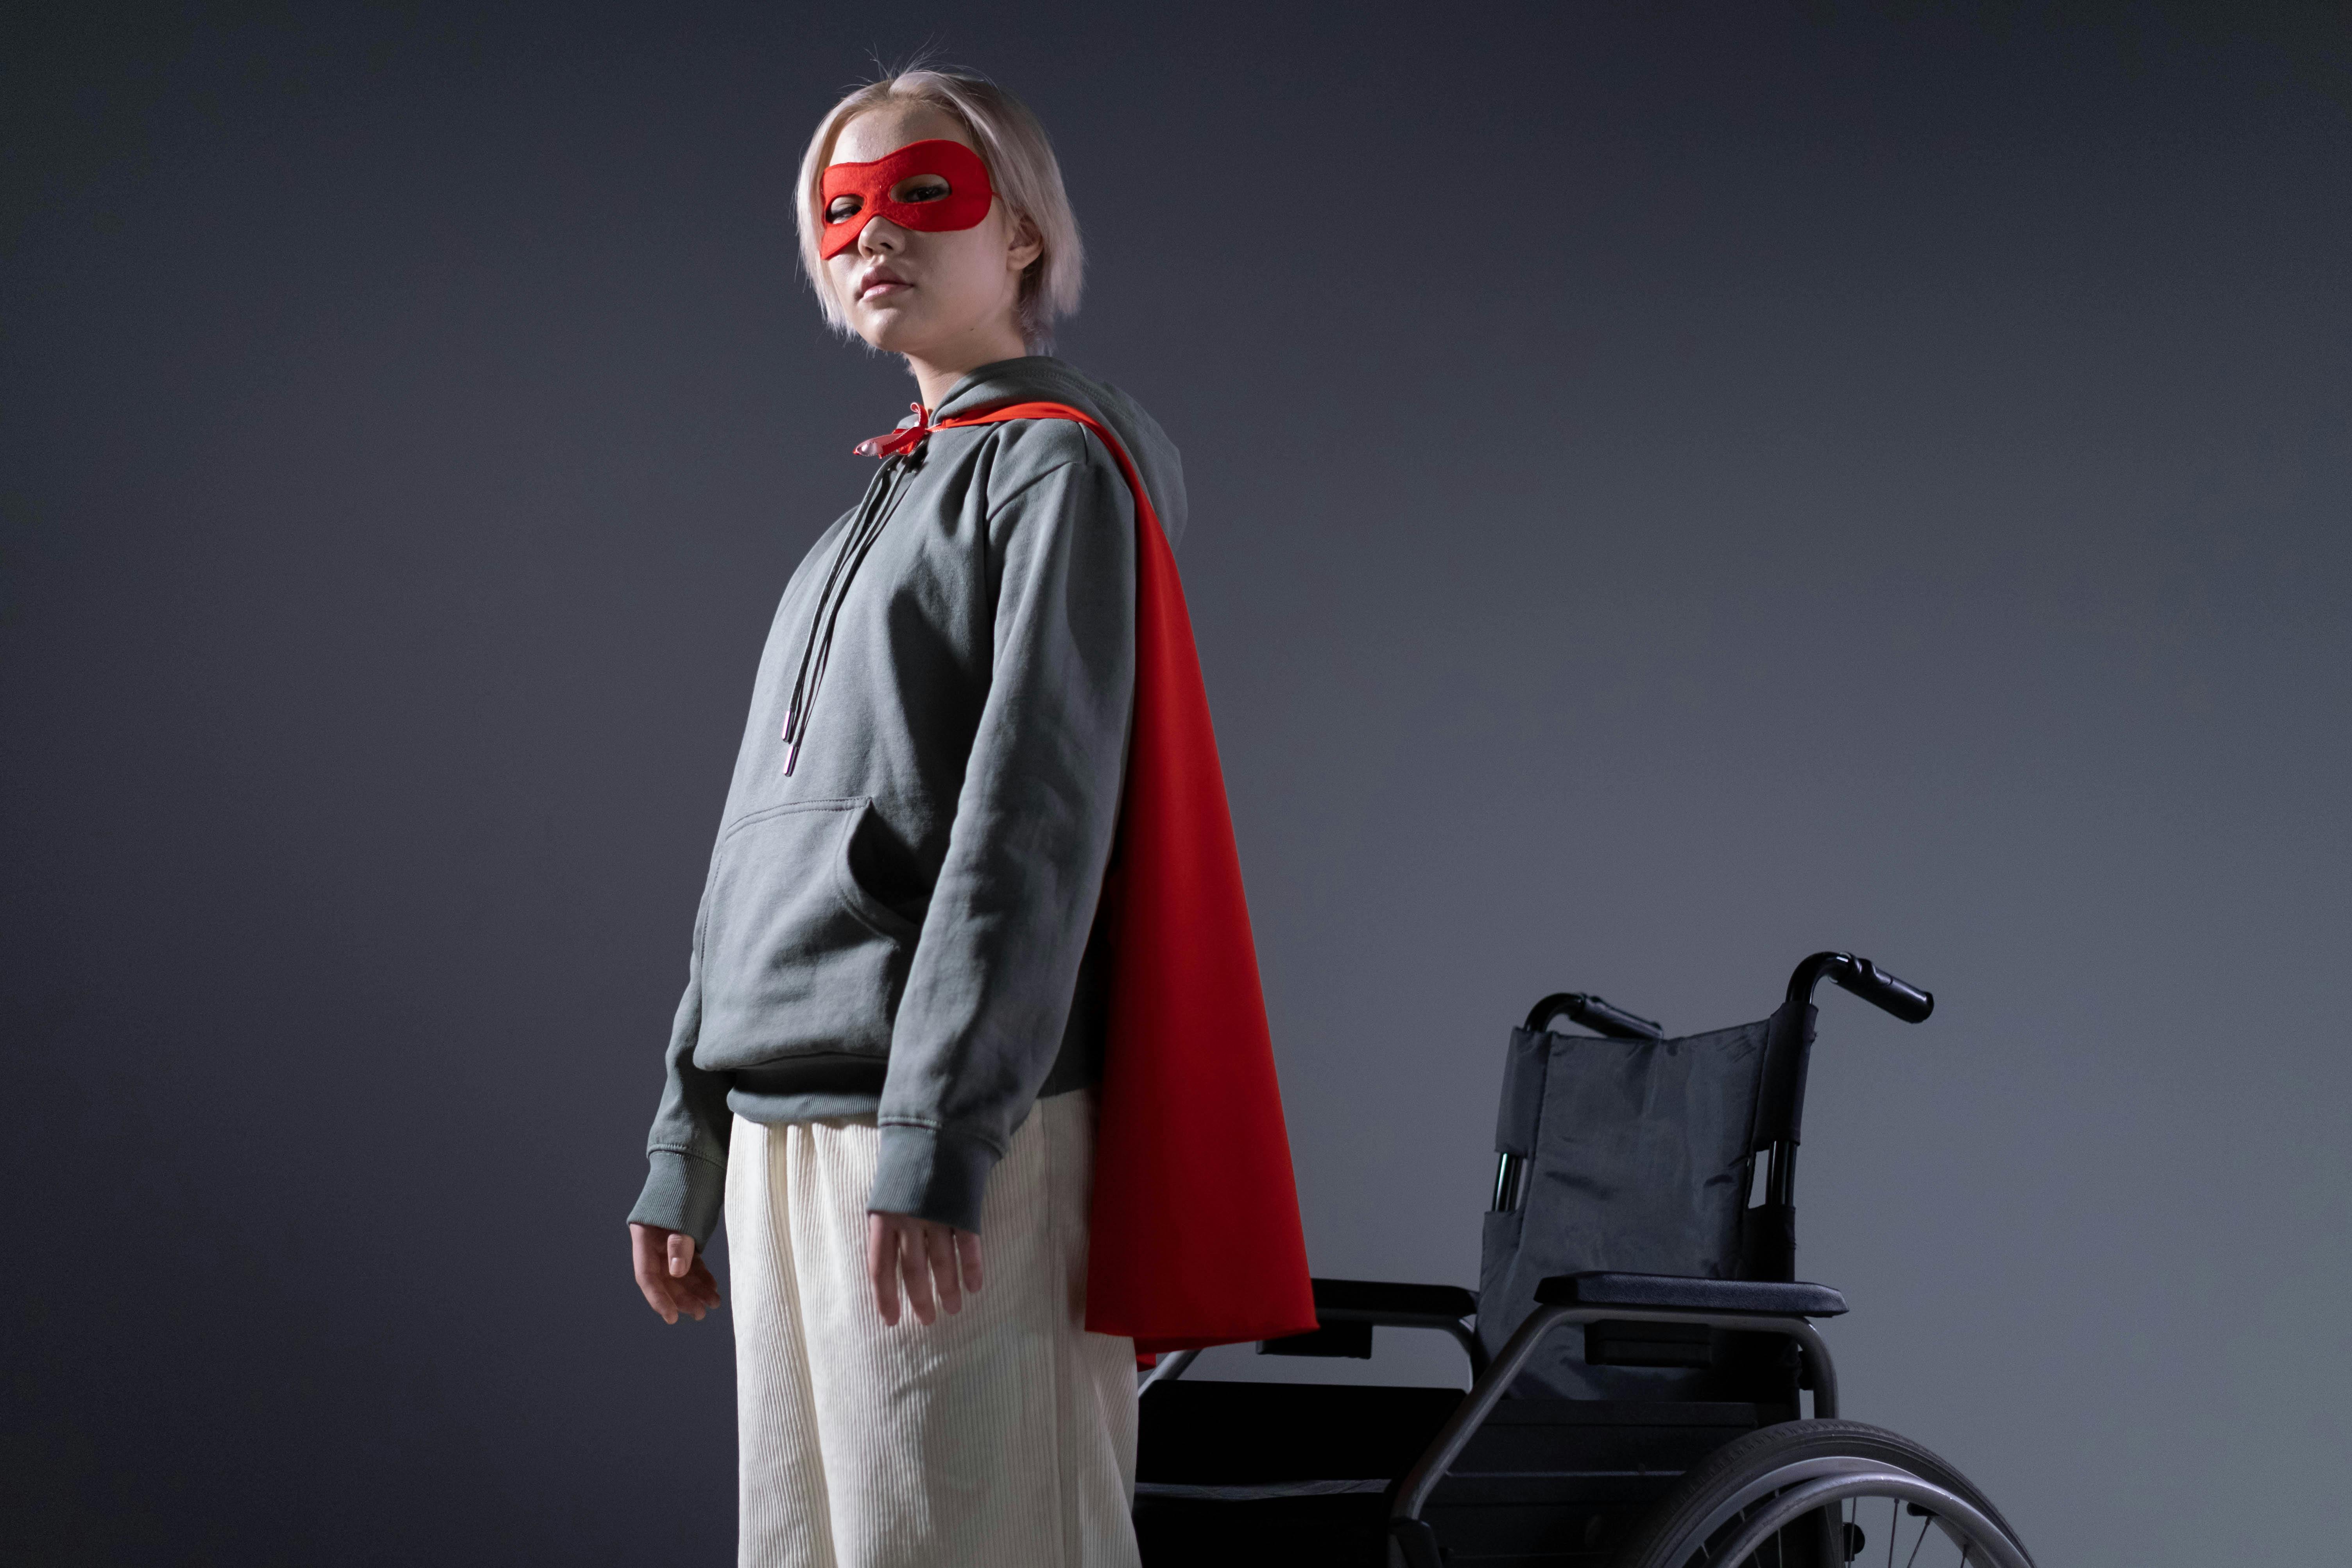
(1925, 1520)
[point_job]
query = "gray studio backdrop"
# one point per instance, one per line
(1669, 493)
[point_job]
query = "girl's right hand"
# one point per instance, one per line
(673, 1278)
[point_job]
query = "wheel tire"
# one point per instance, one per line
(1727, 1471)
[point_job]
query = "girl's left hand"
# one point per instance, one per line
(934, 1260)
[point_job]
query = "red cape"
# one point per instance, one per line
(1195, 1237)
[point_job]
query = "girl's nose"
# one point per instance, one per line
(879, 233)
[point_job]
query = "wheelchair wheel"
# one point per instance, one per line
(1824, 1494)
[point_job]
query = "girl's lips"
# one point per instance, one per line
(879, 282)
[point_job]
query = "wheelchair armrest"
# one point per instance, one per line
(1377, 1300)
(1672, 1292)
(1347, 1311)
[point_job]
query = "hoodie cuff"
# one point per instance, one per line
(932, 1176)
(682, 1193)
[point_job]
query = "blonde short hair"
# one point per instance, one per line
(1021, 165)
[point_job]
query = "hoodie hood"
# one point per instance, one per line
(1041, 379)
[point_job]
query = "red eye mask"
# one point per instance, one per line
(966, 203)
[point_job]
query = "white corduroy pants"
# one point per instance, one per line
(1002, 1437)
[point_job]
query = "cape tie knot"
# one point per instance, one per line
(905, 439)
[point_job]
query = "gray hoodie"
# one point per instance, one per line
(903, 925)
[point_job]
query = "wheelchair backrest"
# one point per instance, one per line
(1641, 1156)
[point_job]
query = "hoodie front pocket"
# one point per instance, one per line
(797, 957)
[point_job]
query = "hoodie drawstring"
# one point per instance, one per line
(881, 499)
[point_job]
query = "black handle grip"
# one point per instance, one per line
(1595, 1015)
(1602, 1018)
(1875, 986)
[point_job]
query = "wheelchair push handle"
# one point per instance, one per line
(1865, 980)
(1875, 985)
(1595, 1015)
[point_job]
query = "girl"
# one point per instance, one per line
(906, 978)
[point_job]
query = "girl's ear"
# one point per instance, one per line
(1027, 245)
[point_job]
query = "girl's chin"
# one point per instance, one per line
(894, 336)
(882, 318)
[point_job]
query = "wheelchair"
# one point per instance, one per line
(1639, 1350)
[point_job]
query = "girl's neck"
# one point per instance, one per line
(936, 371)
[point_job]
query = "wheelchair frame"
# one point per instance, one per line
(1772, 1306)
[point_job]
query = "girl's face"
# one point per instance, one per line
(935, 295)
